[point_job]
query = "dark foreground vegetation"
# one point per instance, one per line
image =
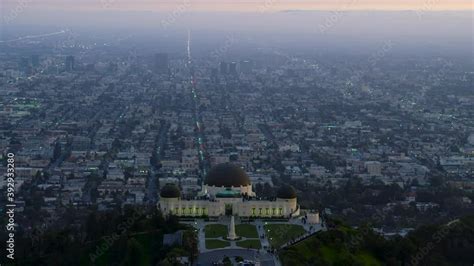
(447, 244)
(131, 236)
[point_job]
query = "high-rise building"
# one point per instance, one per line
(214, 74)
(233, 68)
(224, 68)
(70, 63)
(246, 67)
(35, 60)
(161, 63)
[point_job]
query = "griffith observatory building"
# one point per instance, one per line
(227, 190)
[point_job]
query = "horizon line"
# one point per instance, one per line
(255, 11)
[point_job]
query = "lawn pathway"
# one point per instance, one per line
(261, 232)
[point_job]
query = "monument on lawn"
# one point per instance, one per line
(231, 235)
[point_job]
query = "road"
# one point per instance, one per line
(200, 137)
(208, 258)
(152, 189)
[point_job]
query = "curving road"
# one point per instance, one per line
(208, 258)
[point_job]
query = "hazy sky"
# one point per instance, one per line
(245, 5)
(414, 26)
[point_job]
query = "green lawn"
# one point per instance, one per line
(253, 244)
(246, 230)
(279, 234)
(215, 230)
(214, 243)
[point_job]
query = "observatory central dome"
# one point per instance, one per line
(227, 175)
